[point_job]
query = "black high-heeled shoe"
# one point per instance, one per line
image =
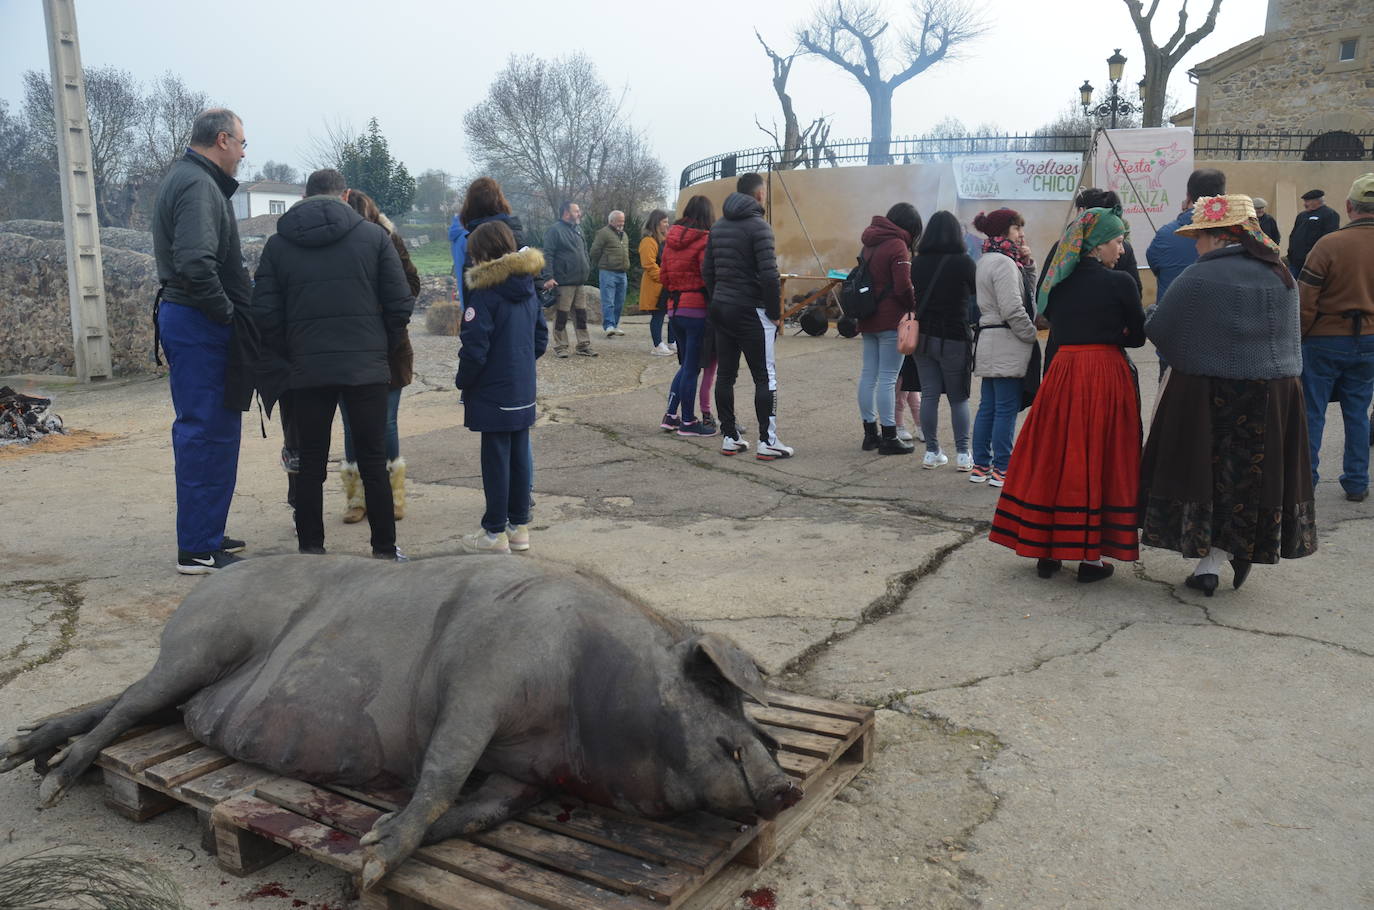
(1087, 573)
(1046, 568)
(1207, 584)
(1242, 569)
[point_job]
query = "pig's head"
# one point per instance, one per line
(728, 763)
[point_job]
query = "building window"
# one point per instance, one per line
(276, 207)
(1347, 51)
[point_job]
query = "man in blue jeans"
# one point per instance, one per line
(203, 327)
(1336, 286)
(610, 256)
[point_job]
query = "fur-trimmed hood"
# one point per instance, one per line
(527, 262)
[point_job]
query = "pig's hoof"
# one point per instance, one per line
(51, 791)
(373, 872)
(375, 833)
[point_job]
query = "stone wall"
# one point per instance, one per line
(36, 313)
(1291, 78)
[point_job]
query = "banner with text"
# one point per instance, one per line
(1017, 175)
(1148, 168)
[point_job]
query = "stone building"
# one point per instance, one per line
(1312, 71)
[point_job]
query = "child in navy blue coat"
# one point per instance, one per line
(503, 333)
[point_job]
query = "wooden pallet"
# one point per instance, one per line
(560, 855)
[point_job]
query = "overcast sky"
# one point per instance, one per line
(696, 75)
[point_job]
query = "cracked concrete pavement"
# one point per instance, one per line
(1042, 743)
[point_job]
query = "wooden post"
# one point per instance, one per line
(85, 275)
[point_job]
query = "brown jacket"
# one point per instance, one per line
(402, 359)
(1338, 278)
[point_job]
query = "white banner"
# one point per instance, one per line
(1148, 168)
(1017, 175)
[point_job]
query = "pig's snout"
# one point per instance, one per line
(783, 796)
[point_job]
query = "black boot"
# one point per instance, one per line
(870, 435)
(891, 445)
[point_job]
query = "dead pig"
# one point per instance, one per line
(340, 670)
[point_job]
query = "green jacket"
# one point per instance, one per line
(611, 250)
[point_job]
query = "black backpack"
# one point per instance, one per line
(859, 293)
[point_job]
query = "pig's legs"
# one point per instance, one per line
(40, 741)
(454, 748)
(496, 800)
(169, 683)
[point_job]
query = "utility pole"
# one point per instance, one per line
(81, 226)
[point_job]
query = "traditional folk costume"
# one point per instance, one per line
(1072, 488)
(1226, 473)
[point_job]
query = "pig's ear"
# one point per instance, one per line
(738, 668)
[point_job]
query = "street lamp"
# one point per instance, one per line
(1115, 104)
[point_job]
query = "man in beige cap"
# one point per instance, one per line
(1336, 287)
(1266, 220)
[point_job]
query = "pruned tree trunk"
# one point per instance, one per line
(880, 113)
(1160, 60)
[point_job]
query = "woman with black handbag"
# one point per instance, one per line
(943, 275)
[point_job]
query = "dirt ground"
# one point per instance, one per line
(1041, 743)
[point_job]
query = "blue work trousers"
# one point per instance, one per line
(1340, 368)
(205, 434)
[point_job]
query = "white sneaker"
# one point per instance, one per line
(904, 434)
(661, 351)
(482, 542)
(731, 445)
(934, 460)
(769, 451)
(518, 536)
(617, 330)
(672, 346)
(610, 331)
(963, 462)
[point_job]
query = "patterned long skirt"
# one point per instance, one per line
(1075, 470)
(1227, 466)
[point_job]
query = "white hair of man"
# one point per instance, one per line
(610, 219)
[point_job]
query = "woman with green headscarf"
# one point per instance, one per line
(1072, 488)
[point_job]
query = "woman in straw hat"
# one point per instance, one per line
(1226, 476)
(1075, 472)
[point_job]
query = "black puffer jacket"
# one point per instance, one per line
(741, 266)
(330, 299)
(196, 239)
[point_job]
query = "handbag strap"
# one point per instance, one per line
(925, 302)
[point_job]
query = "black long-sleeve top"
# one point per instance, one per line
(1126, 265)
(1094, 305)
(944, 306)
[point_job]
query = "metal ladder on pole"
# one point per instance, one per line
(85, 275)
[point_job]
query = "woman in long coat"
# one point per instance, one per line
(1226, 475)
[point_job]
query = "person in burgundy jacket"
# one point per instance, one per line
(680, 273)
(887, 249)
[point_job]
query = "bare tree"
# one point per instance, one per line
(278, 171)
(554, 127)
(327, 149)
(169, 110)
(1161, 60)
(854, 35)
(114, 106)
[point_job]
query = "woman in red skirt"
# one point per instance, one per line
(1074, 479)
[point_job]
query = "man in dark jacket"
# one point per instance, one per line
(201, 317)
(742, 282)
(1315, 221)
(1266, 220)
(331, 300)
(569, 266)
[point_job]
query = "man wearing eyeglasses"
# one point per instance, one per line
(201, 319)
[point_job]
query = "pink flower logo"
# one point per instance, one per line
(1215, 209)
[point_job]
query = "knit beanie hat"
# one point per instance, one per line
(995, 224)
